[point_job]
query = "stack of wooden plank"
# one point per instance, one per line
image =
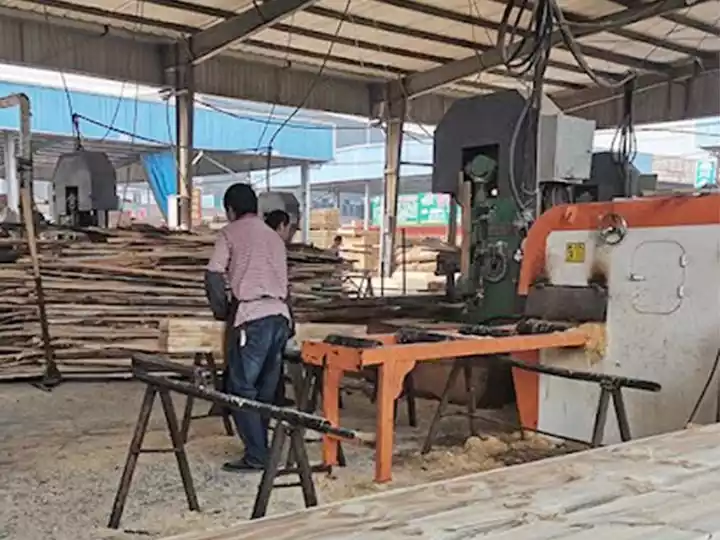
(361, 248)
(420, 254)
(107, 292)
(324, 223)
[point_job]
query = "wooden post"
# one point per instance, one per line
(52, 373)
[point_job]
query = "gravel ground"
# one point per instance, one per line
(61, 455)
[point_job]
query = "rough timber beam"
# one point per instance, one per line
(217, 38)
(422, 82)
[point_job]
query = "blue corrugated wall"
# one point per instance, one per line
(154, 120)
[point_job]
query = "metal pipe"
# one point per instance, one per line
(143, 364)
(366, 207)
(24, 166)
(404, 261)
(306, 204)
(25, 152)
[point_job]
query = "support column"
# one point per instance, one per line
(452, 241)
(11, 177)
(395, 120)
(184, 112)
(366, 207)
(306, 202)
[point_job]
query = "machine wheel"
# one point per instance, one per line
(496, 267)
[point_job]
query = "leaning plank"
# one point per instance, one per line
(647, 489)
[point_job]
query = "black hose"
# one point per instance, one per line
(705, 389)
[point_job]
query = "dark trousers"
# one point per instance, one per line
(280, 390)
(254, 370)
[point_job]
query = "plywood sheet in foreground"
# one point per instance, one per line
(662, 488)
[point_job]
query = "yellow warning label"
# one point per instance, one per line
(575, 252)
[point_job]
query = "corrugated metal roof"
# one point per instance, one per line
(660, 488)
(386, 39)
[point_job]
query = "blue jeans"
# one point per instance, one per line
(254, 371)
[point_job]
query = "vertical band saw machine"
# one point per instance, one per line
(644, 270)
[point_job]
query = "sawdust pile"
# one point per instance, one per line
(477, 454)
(596, 345)
(483, 454)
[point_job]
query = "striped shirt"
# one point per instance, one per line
(254, 259)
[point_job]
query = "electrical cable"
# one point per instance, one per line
(137, 136)
(249, 118)
(624, 143)
(574, 48)
(538, 36)
(317, 78)
(538, 32)
(531, 51)
(287, 57)
(706, 387)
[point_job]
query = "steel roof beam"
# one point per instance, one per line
(192, 7)
(487, 24)
(116, 15)
(465, 86)
(361, 44)
(584, 99)
(632, 35)
(208, 43)
(680, 19)
(426, 81)
(398, 51)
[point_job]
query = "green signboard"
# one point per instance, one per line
(705, 173)
(418, 209)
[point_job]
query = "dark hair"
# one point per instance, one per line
(276, 218)
(241, 199)
(338, 239)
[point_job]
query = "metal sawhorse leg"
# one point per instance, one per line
(466, 366)
(136, 448)
(610, 389)
(206, 360)
(306, 381)
(282, 434)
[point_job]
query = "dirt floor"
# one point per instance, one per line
(61, 455)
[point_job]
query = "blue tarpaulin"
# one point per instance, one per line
(160, 171)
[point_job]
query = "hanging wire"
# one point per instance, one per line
(287, 57)
(624, 143)
(317, 78)
(531, 52)
(272, 121)
(537, 37)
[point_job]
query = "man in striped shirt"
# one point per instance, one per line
(251, 258)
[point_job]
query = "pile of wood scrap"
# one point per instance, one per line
(107, 292)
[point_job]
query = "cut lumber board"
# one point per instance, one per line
(192, 336)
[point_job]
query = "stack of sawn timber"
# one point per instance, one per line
(107, 292)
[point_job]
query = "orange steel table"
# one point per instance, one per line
(394, 361)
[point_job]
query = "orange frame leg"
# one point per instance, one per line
(392, 375)
(332, 376)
